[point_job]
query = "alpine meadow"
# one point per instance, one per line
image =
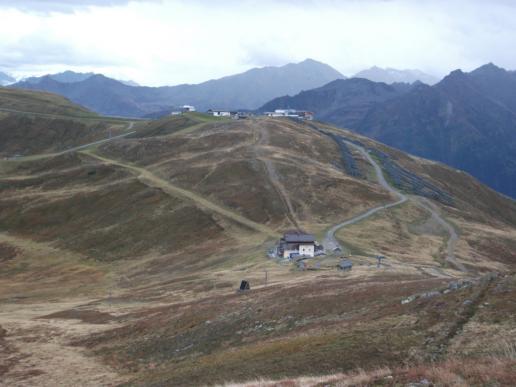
(191, 196)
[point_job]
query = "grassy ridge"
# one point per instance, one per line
(41, 103)
(36, 122)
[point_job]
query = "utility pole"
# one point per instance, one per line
(266, 276)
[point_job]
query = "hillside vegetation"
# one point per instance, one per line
(40, 102)
(134, 249)
(36, 122)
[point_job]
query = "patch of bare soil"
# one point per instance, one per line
(86, 316)
(7, 359)
(37, 352)
(7, 252)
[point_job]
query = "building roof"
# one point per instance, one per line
(345, 263)
(293, 237)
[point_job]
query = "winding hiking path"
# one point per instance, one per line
(453, 236)
(77, 148)
(130, 125)
(330, 242)
(273, 174)
(147, 177)
(90, 117)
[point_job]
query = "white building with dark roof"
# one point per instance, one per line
(292, 113)
(221, 113)
(295, 243)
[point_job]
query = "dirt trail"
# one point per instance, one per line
(273, 174)
(38, 351)
(130, 125)
(330, 242)
(453, 236)
(152, 180)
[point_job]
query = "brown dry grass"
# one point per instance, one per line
(40, 271)
(75, 226)
(220, 162)
(40, 102)
(405, 234)
(463, 372)
(453, 372)
(36, 352)
(354, 378)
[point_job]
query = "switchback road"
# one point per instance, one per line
(330, 242)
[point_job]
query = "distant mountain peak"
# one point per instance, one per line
(455, 79)
(70, 72)
(390, 75)
(455, 75)
(489, 68)
(69, 77)
(491, 65)
(6, 79)
(310, 64)
(309, 60)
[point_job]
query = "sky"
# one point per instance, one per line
(165, 42)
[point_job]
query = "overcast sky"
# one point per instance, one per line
(169, 42)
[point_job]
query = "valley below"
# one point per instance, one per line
(120, 260)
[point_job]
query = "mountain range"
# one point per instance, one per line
(64, 77)
(343, 100)
(390, 75)
(70, 77)
(467, 120)
(247, 90)
(6, 79)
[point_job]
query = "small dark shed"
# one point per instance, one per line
(244, 285)
(345, 264)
